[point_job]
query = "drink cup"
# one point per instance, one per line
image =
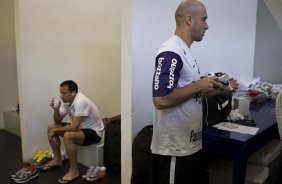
(243, 104)
(102, 172)
(56, 103)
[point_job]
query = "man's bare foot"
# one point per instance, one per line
(69, 177)
(52, 164)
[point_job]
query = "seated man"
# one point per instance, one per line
(86, 127)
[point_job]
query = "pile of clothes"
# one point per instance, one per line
(259, 91)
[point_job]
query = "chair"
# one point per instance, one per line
(278, 109)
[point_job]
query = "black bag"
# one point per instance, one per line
(112, 147)
(216, 109)
(142, 156)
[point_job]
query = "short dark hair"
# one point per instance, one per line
(71, 84)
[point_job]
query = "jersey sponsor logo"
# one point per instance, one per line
(197, 97)
(171, 73)
(167, 73)
(157, 75)
(194, 136)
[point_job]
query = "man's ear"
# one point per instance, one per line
(188, 20)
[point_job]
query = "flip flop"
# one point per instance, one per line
(61, 180)
(49, 166)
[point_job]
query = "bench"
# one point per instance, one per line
(92, 154)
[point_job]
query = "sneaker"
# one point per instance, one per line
(43, 159)
(223, 79)
(27, 175)
(88, 173)
(19, 172)
(33, 160)
(98, 173)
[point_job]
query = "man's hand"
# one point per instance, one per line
(51, 134)
(233, 83)
(52, 104)
(208, 84)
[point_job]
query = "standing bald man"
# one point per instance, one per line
(177, 93)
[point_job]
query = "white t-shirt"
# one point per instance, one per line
(177, 131)
(82, 106)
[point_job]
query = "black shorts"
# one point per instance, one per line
(178, 170)
(90, 136)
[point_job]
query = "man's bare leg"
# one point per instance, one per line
(56, 148)
(71, 140)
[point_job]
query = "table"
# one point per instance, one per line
(238, 147)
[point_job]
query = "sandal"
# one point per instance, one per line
(61, 180)
(49, 166)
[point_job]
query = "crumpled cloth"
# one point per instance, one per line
(235, 115)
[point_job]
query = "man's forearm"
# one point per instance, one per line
(178, 96)
(57, 117)
(74, 126)
(68, 128)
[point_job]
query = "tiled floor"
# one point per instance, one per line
(11, 161)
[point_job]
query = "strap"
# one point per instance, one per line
(172, 170)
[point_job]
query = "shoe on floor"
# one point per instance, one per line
(19, 172)
(27, 175)
(33, 160)
(42, 159)
(98, 173)
(88, 173)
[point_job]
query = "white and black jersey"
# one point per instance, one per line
(84, 107)
(177, 130)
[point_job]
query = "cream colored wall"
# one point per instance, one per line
(8, 69)
(126, 92)
(59, 40)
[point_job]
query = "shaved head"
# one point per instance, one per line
(191, 24)
(187, 7)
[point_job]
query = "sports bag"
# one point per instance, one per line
(216, 109)
(142, 156)
(112, 146)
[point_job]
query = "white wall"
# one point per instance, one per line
(149, 31)
(268, 55)
(227, 46)
(274, 7)
(8, 68)
(229, 43)
(59, 40)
